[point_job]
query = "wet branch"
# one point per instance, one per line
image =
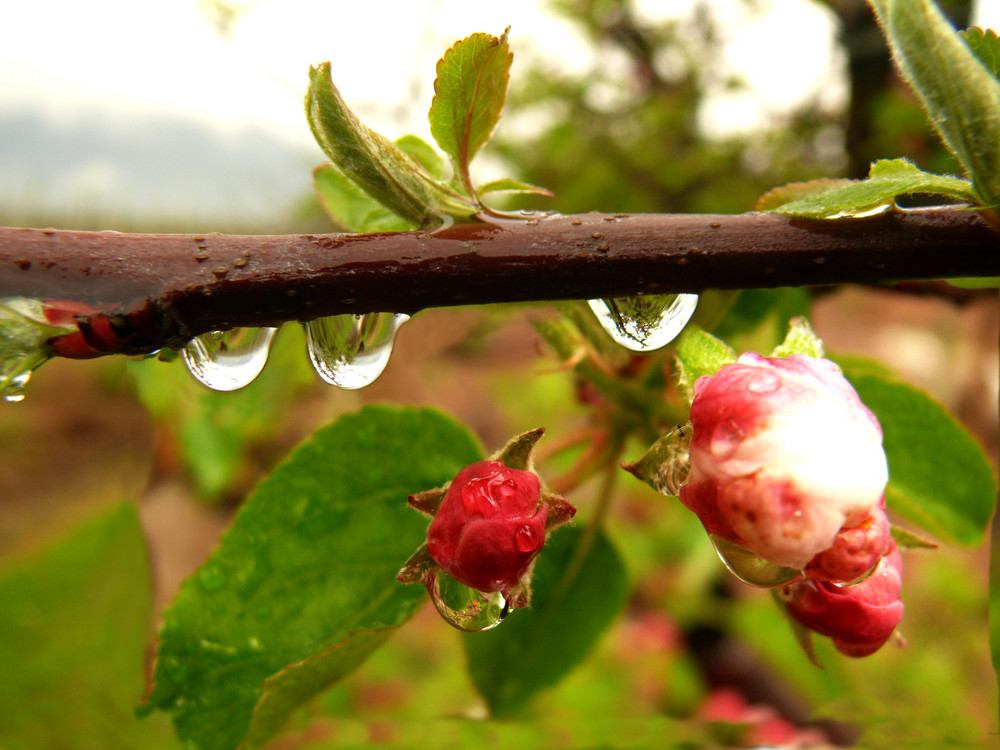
(162, 289)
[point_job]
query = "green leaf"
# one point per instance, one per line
(961, 97)
(73, 639)
(424, 154)
(699, 353)
(302, 587)
(350, 208)
(508, 185)
(986, 44)
(887, 179)
(373, 162)
(801, 339)
(797, 191)
(573, 602)
(939, 477)
(469, 93)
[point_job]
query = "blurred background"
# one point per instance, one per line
(186, 116)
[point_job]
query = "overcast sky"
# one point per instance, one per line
(127, 64)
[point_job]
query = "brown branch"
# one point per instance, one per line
(164, 289)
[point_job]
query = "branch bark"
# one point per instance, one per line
(159, 291)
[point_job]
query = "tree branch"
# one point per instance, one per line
(161, 290)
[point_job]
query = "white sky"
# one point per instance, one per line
(64, 57)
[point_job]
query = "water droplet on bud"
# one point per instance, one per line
(228, 360)
(351, 351)
(645, 323)
(751, 569)
(675, 459)
(526, 539)
(465, 608)
(860, 579)
(12, 385)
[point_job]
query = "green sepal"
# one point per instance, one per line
(803, 635)
(800, 339)
(517, 453)
(906, 539)
(373, 162)
(418, 567)
(428, 501)
(887, 180)
(699, 353)
(664, 465)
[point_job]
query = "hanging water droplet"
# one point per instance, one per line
(350, 351)
(860, 579)
(675, 459)
(751, 569)
(12, 384)
(465, 608)
(228, 360)
(645, 323)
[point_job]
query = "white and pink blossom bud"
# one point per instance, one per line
(783, 456)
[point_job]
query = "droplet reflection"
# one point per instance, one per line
(465, 608)
(645, 323)
(751, 569)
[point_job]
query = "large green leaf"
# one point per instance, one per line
(373, 162)
(573, 602)
(939, 476)
(302, 587)
(986, 44)
(469, 94)
(73, 637)
(961, 97)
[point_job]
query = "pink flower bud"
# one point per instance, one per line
(489, 527)
(783, 455)
(859, 619)
(856, 549)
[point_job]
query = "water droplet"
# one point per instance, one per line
(645, 323)
(726, 438)
(751, 569)
(860, 579)
(526, 539)
(674, 459)
(12, 382)
(350, 351)
(465, 608)
(228, 360)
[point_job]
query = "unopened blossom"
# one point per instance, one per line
(859, 619)
(489, 527)
(783, 456)
(856, 549)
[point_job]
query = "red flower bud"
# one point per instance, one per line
(859, 619)
(489, 526)
(856, 549)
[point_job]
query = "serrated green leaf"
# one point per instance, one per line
(349, 207)
(536, 647)
(373, 162)
(888, 179)
(508, 185)
(469, 93)
(986, 44)
(961, 97)
(303, 586)
(939, 477)
(73, 639)
(699, 353)
(801, 339)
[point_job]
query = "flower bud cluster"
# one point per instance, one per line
(787, 463)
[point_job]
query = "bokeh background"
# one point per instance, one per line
(186, 116)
